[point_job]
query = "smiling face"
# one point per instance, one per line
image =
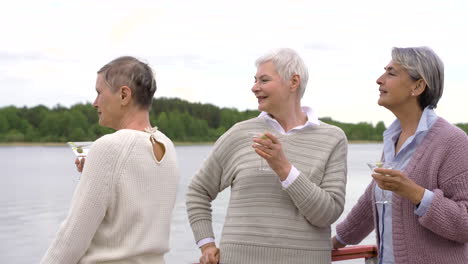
(107, 104)
(396, 87)
(270, 89)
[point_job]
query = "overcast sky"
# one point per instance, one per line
(204, 51)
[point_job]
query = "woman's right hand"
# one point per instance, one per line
(210, 254)
(337, 244)
(79, 164)
(270, 148)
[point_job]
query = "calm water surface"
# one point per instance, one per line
(37, 184)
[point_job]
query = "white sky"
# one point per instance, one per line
(204, 51)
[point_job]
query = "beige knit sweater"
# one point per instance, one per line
(266, 224)
(122, 207)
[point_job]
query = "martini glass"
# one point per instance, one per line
(258, 134)
(263, 165)
(384, 194)
(80, 148)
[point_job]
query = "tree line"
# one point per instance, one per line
(180, 120)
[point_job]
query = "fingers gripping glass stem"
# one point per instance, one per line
(384, 194)
(263, 165)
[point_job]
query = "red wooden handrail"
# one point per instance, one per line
(352, 252)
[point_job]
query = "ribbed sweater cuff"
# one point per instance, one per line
(341, 234)
(300, 188)
(202, 229)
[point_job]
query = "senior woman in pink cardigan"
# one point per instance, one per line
(426, 220)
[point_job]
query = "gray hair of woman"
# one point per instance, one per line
(423, 63)
(131, 72)
(287, 63)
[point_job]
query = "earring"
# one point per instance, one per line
(412, 93)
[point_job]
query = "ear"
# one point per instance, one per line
(419, 88)
(295, 82)
(125, 95)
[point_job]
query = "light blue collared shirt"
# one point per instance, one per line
(400, 161)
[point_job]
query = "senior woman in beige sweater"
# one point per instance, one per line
(122, 206)
(281, 215)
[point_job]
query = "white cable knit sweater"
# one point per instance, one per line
(122, 207)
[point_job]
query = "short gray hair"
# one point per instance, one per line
(287, 63)
(131, 72)
(423, 63)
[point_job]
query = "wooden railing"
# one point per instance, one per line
(367, 252)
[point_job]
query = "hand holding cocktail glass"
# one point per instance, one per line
(257, 137)
(80, 149)
(381, 179)
(269, 148)
(398, 182)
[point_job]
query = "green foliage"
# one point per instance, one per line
(4, 125)
(360, 131)
(463, 126)
(178, 119)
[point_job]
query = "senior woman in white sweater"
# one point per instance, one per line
(281, 215)
(122, 206)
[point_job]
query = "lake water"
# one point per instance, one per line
(37, 184)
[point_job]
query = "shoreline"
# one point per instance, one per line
(21, 144)
(54, 144)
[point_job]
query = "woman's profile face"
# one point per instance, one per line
(269, 88)
(107, 104)
(395, 86)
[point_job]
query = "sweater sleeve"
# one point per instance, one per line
(88, 206)
(448, 214)
(203, 189)
(360, 221)
(321, 204)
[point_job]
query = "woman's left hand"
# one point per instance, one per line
(397, 182)
(270, 148)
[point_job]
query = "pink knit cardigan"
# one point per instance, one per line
(439, 164)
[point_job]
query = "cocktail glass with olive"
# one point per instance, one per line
(384, 194)
(260, 134)
(80, 148)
